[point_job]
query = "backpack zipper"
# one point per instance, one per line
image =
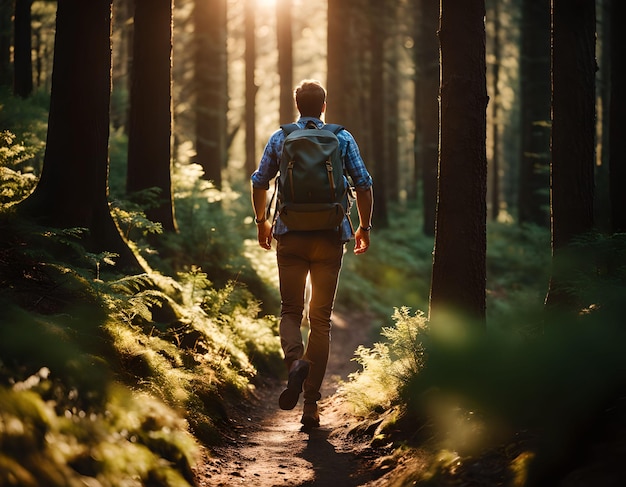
(290, 173)
(331, 181)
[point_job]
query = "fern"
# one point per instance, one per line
(388, 366)
(16, 179)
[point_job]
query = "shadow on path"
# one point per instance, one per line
(331, 467)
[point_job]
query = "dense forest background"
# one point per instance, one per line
(136, 304)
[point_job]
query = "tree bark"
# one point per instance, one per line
(494, 171)
(427, 108)
(338, 58)
(617, 112)
(534, 184)
(348, 92)
(22, 49)
(459, 270)
(251, 87)
(6, 71)
(150, 124)
(377, 111)
(285, 60)
(211, 74)
(72, 191)
(392, 79)
(573, 141)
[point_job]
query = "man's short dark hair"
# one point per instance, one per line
(310, 96)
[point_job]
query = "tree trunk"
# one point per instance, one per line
(377, 112)
(150, 124)
(22, 50)
(285, 60)
(6, 14)
(338, 58)
(348, 95)
(617, 114)
(211, 87)
(392, 80)
(534, 184)
(494, 173)
(72, 191)
(122, 62)
(573, 141)
(251, 87)
(459, 271)
(427, 106)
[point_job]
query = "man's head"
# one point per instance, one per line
(310, 98)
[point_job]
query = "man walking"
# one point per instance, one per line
(314, 253)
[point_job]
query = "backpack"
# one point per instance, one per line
(313, 193)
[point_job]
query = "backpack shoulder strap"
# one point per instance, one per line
(333, 127)
(289, 127)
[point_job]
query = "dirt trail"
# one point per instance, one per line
(269, 448)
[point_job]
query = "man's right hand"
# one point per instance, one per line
(264, 234)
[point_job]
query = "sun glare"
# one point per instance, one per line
(266, 3)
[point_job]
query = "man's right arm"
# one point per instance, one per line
(364, 206)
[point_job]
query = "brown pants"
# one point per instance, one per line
(318, 254)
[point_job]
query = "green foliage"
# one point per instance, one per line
(394, 272)
(529, 370)
(518, 270)
(27, 120)
(133, 365)
(605, 257)
(131, 217)
(16, 178)
(59, 407)
(122, 371)
(213, 226)
(133, 441)
(118, 154)
(388, 366)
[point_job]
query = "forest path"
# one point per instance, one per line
(269, 448)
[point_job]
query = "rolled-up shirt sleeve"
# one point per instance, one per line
(355, 166)
(268, 167)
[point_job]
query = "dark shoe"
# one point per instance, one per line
(310, 416)
(297, 375)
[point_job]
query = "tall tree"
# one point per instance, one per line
(72, 191)
(150, 124)
(251, 87)
(6, 14)
(573, 140)
(122, 62)
(459, 271)
(348, 96)
(533, 194)
(427, 106)
(377, 110)
(22, 49)
(617, 112)
(211, 73)
(494, 173)
(338, 58)
(285, 60)
(392, 80)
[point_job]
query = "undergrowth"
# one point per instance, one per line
(470, 390)
(110, 379)
(76, 351)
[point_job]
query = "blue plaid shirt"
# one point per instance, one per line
(355, 167)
